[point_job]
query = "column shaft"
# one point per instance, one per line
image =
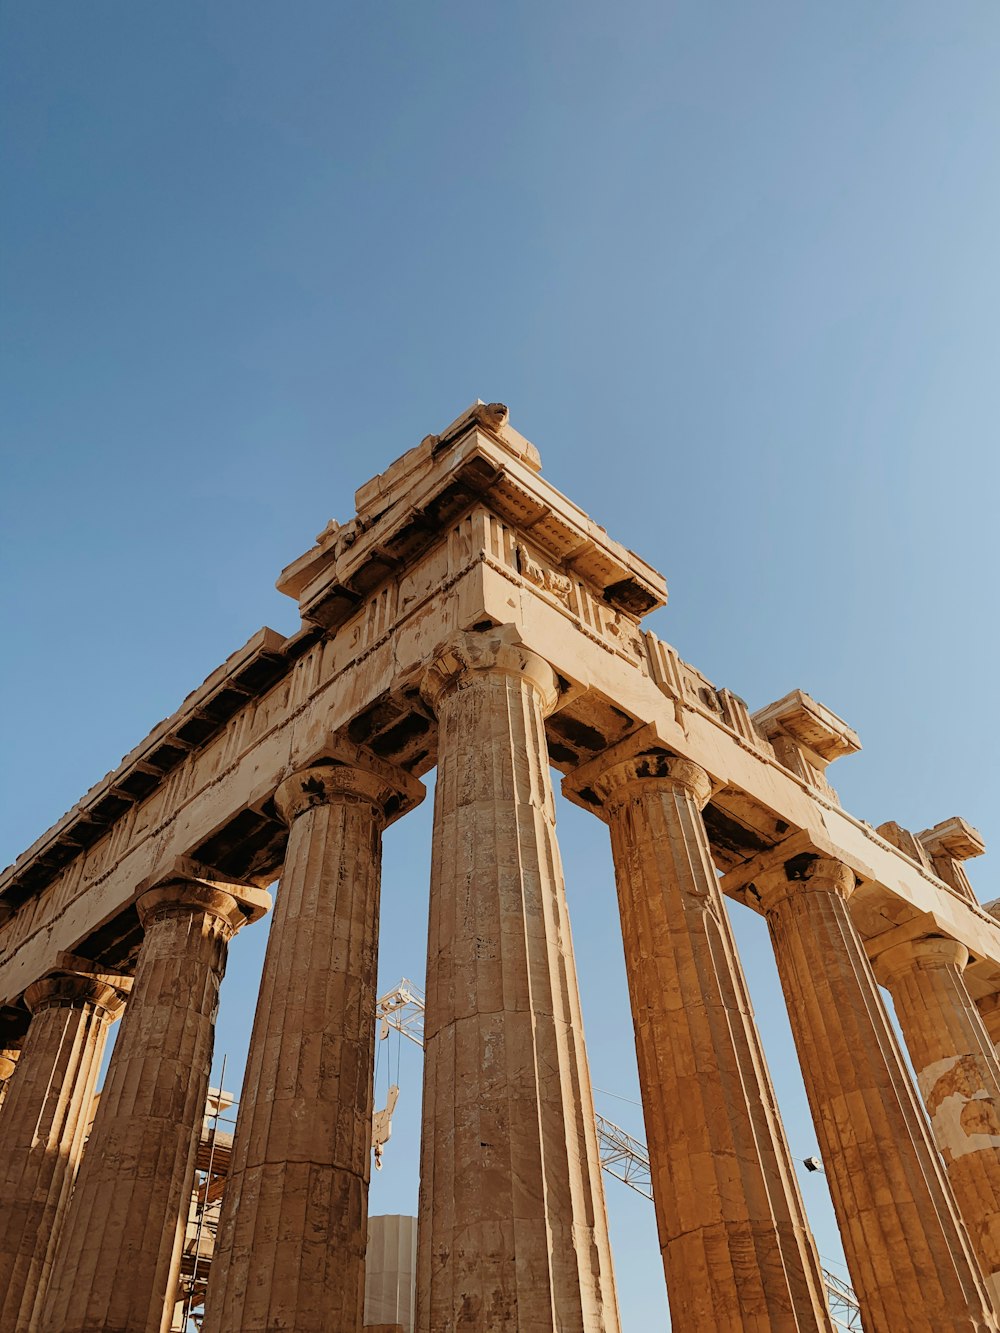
(907, 1251)
(291, 1244)
(119, 1259)
(42, 1129)
(736, 1246)
(959, 1077)
(513, 1232)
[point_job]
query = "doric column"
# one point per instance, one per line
(733, 1234)
(119, 1256)
(291, 1244)
(512, 1232)
(909, 1256)
(42, 1129)
(958, 1075)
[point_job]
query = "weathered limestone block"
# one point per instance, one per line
(903, 839)
(291, 1245)
(42, 1129)
(119, 1256)
(513, 1230)
(733, 1233)
(989, 1012)
(8, 1063)
(910, 1259)
(807, 737)
(959, 1077)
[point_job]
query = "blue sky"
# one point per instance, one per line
(732, 267)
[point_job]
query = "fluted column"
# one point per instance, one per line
(910, 1259)
(291, 1244)
(42, 1129)
(512, 1232)
(119, 1257)
(736, 1247)
(958, 1075)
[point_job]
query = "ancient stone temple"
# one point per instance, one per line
(473, 619)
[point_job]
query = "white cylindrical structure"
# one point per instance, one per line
(391, 1271)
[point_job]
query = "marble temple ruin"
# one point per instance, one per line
(473, 619)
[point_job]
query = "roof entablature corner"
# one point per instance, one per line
(948, 845)
(807, 737)
(320, 565)
(478, 459)
(953, 837)
(491, 418)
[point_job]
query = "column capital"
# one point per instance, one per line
(923, 952)
(188, 886)
(348, 773)
(497, 651)
(631, 766)
(823, 874)
(652, 771)
(73, 992)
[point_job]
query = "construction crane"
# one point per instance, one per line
(402, 1008)
(622, 1156)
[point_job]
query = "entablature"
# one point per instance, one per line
(410, 571)
(205, 712)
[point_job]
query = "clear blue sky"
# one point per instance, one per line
(733, 267)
